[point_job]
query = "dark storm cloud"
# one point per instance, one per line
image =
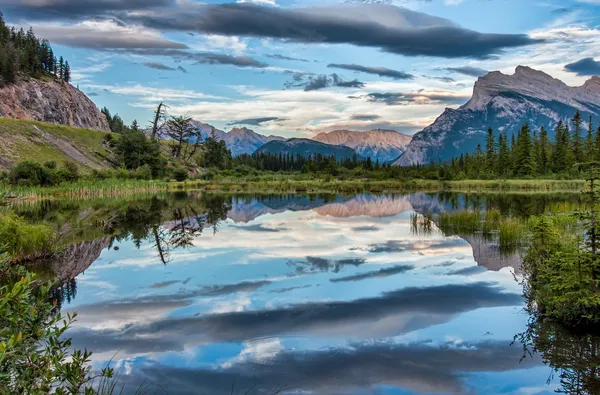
(419, 97)
(417, 367)
(468, 70)
(281, 57)
(392, 313)
(382, 273)
(584, 67)
(255, 122)
(393, 29)
(333, 80)
(159, 66)
(380, 71)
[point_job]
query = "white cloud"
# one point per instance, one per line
(151, 95)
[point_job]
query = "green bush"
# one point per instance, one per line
(29, 173)
(71, 171)
(180, 174)
(35, 356)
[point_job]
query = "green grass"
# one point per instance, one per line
(119, 187)
(28, 140)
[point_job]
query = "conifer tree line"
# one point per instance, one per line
(529, 153)
(23, 53)
(307, 164)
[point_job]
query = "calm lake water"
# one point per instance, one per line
(209, 294)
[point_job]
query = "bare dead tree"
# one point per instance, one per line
(158, 115)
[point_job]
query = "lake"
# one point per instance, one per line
(324, 294)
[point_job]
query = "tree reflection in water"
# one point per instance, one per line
(575, 357)
(169, 227)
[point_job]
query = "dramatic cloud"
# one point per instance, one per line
(254, 121)
(75, 9)
(468, 70)
(417, 367)
(584, 67)
(333, 80)
(105, 35)
(422, 97)
(385, 315)
(380, 71)
(392, 29)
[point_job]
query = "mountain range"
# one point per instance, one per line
(239, 140)
(504, 103)
(307, 147)
(382, 145)
(378, 144)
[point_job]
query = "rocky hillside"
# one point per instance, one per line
(40, 142)
(505, 103)
(306, 147)
(52, 101)
(378, 144)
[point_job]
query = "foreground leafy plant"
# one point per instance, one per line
(34, 353)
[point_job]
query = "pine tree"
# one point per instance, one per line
(590, 149)
(544, 155)
(597, 144)
(490, 150)
(524, 153)
(61, 68)
(578, 150)
(67, 72)
(503, 164)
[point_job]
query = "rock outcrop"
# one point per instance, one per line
(504, 103)
(51, 101)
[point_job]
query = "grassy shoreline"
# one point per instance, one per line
(116, 188)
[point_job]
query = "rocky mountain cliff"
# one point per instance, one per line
(505, 103)
(51, 101)
(378, 144)
(307, 147)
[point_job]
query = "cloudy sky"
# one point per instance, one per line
(297, 67)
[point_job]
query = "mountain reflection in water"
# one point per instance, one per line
(321, 294)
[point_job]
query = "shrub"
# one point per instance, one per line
(51, 164)
(32, 174)
(35, 356)
(180, 174)
(71, 172)
(143, 173)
